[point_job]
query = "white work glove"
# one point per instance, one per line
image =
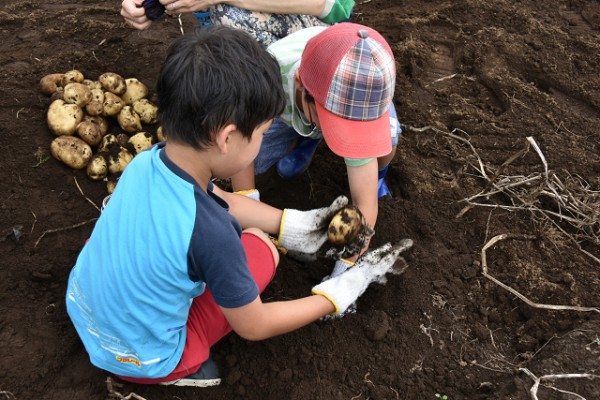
(344, 289)
(253, 194)
(306, 231)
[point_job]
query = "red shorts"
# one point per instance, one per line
(206, 323)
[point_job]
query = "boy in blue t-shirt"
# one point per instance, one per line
(174, 263)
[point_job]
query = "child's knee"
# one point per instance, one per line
(265, 238)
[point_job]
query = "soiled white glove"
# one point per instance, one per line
(306, 231)
(344, 289)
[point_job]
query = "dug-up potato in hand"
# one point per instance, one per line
(63, 118)
(72, 151)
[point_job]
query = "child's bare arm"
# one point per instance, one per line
(252, 213)
(258, 320)
(363, 189)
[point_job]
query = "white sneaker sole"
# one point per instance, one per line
(194, 382)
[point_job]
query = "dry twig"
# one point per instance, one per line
(83, 194)
(484, 268)
(114, 394)
(538, 380)
(569, 200)
(66, 228)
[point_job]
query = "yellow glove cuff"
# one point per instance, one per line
(324, 294)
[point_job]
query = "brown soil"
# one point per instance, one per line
(492, 72)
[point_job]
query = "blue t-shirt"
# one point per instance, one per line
(156, 246)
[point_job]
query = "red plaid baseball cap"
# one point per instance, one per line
(350, 71)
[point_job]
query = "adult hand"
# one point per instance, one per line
(345, 288)
(306, 231)
(186, 6)
(134, 14)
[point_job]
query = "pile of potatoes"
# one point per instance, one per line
(80, 113)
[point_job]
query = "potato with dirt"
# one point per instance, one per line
(113, 82)
(97, 168)
(71, 76)
(98, 120)
(63, 118)
(113, 104)
(118, 159)
(135, 91)
(90, 132)
(129, 120)
(348, 232)
(141, 141)
(72, 151)
(147, 111)
(96, 104)
(108, 141)
(50, 84)
(77, 93)
(345, 225)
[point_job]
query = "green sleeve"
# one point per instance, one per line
(340, 11)
(357, 162)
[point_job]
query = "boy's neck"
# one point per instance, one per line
(191, 161)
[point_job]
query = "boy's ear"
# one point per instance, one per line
(222, 137)
(298, 81)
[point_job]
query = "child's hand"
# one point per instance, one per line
(344, 289)
(306, 231)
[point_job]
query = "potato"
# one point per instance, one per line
(118, 161)
(90, 132)
(112, 104)
(147, 111)
(72, 151)
(160, 136)
(345, 226)
(98, 120)
(63, 118)
(135, 91)
(94, 108)
(50, 83)
(71, 76)
(141, 141)
(92, 84)
(123, 139)
(107, 143)
(58, 95)
(129, 120)
(113, 83)
(111, 183)
(97, 168)
(77, 93)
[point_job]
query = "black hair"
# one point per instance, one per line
(215, 77)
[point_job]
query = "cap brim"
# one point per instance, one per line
(356, 139)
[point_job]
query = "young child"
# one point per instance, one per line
(339, 84)
(174, 263)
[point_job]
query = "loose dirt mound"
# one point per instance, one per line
(475, 80)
